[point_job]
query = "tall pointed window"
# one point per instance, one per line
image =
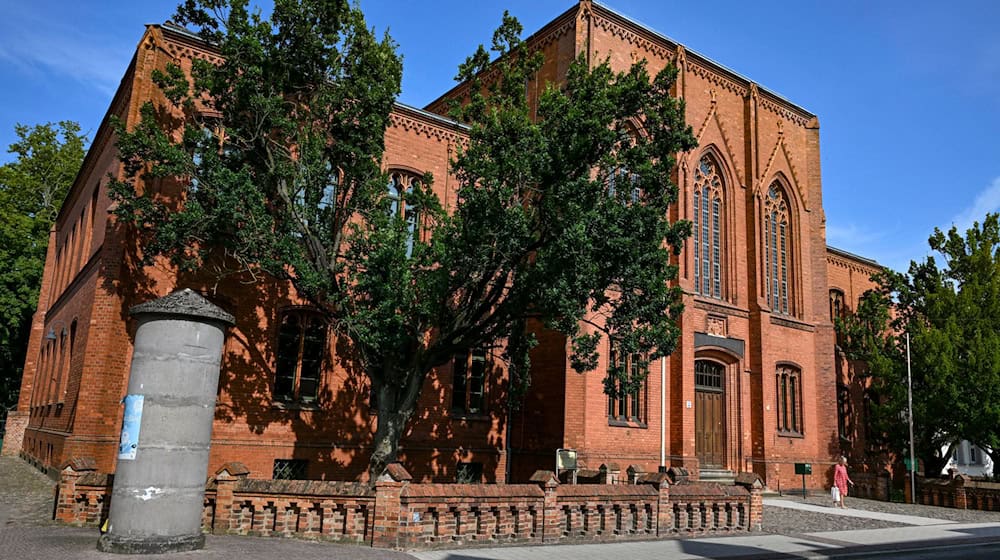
(707, 232)
(400, 185)
(777, 246)
(788, 386)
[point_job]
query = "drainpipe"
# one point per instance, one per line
(663, 412)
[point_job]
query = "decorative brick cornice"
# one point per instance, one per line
(784, 111)
(633, 37)
(710, 75)
(853, 266)
(552, 35)
(420, 126)
(179, 46)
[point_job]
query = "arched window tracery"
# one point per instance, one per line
(777, 250)
(401, 184)
(709, 250)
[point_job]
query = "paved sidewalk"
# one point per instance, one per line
(850, 512)
(814, 545)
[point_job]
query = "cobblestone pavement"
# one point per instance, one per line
(785, 521)
(26, 495)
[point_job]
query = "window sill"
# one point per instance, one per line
(791, 322)
(294, 405)
(618, 422)
(788, 434)
(476, 417)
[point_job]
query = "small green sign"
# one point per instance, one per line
(909, 465)
(803, 468)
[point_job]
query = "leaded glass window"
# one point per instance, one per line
(707, 234)
(400, 185)
(777, 247)
(301, 345)
(788, 385)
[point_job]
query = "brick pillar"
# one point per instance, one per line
(755, 515)
(664, 514)
(551, 532)
(958, 485)
(226, 480)
(13, 440)
(66, 510)
(388, 492)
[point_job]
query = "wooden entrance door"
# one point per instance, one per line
(709, 414)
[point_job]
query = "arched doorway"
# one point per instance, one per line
(709, 414)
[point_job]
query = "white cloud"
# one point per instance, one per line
(35, 46)
(988, 200)
(851, 237)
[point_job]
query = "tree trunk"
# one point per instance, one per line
(386, 445)
(395, 406)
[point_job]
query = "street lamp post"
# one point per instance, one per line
(909, 398)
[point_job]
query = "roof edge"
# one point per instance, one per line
(852, 256)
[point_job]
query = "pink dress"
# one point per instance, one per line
(840, 478)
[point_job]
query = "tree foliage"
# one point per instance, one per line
(952, 315)
(287, 182)
(47, 158)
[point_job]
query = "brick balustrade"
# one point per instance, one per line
(960, 492)
(396, 513)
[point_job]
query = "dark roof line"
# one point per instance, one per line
(432, 116)
(850, 255)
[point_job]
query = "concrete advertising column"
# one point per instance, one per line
(159, 486)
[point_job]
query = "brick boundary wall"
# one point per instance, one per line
(873, 486)
(959, 492)
(397, 513)
(13, 438)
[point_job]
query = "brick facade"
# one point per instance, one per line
(73, 384)
(849, 278)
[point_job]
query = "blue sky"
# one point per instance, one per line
(907, 92)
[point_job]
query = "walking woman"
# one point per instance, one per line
(840, 483)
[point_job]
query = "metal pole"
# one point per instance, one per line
(909, 398)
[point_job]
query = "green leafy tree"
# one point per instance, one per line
(952, 314)
(46, 160)
(286, 181)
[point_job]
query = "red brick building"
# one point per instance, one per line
(751, 387)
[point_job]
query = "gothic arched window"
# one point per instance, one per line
(777, 249)
(707, 232)
(400, 184)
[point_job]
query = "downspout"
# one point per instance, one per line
(663, 413)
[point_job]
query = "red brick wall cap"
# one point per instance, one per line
(81, 464)
(396, 472)
(544, 477)
(622, 491)
(233, 468)
(655, 478)
(474, 491)
(749, 480)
